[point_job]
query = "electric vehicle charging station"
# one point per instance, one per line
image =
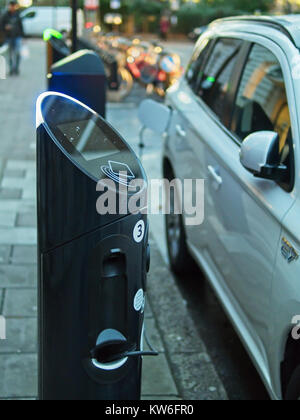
(92, 268)
(57, 49)
(82, 76)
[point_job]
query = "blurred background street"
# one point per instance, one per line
(207, 362)
(18, 277)
(201, 356)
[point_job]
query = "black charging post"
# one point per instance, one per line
(92, 267)
(82, 76)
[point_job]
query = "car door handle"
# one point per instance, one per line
(180, 131)
(213, 172)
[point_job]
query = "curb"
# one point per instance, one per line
(193, 371)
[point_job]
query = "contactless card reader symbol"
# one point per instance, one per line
(119, 172)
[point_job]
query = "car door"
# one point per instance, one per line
(185, 109)
(196, 132)
(248, 211)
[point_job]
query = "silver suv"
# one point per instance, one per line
(235, 123)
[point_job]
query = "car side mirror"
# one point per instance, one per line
(29, 15)
(260, 156)
(154, 115)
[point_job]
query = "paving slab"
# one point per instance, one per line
(21, 336)
(27, 220)
(177, 328)
(148, 311)
(18, 376)
(160, 398)
(157, 378)
(18, 236)
(24, 254)
(1, 167)
(21, 165)
(17, 206)
(14, 173)
(195, 375)
(153, 336)
(15, 276)
(18, 399)
(20, 303)
(26, 185)
(17, 183)
(1, 300)
(29, 192)
(10, 193)
(7, 220)
(5, 252)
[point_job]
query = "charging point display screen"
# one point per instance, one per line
(89, 140)
(85, 136)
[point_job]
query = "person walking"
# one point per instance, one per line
(164, 27)
(14, 32)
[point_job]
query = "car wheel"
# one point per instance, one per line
(293, 389)
(181, 261)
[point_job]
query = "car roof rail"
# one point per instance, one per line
(288, 25)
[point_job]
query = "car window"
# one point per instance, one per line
(197, 61)
(261, 102)
(215, 80)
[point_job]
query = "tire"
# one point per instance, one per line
(180, 259)
(293, 389)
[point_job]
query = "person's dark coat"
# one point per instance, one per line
(16, 29)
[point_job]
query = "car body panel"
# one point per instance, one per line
(239, 243)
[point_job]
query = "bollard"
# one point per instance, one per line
(57, 49)
(82, 76)
(109, 59)
(92, 268)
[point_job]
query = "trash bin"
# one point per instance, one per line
(82, 76)
(92, 267)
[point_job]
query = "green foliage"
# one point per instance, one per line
(147, 7)
(248, 6)
(59, 3)
(135, 7)
(144, 9)
(191, 16)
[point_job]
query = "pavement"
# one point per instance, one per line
(183, 369)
